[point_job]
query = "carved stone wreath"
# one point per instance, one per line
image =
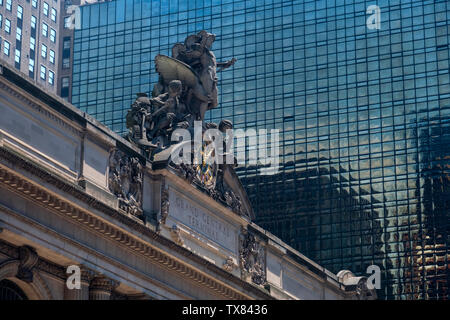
(125, 181)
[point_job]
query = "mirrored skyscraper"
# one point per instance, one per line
(363, 115)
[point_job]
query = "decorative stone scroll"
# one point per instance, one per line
(28, 260)
(252, 257)
(125, 181)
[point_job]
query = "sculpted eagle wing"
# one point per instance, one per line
(172, 69)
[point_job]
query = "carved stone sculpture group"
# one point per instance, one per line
(186, 89)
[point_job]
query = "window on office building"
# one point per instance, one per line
(19, 34)
(7, 26)
(66, 43)
(17, 57)
(45, 9)
(33, 22)
(43, 72)
(53, 15)
(52, 35)
(1, 21)
(44, 29)
(6, 48)
(51, 56)
(9, 5)
(66, 63)
(51, 77)
(65, 82)
(34, 3)
(19, 12)
(67, 22)
(65, 87)
(31, 65)
(44, 51)
(32, 43)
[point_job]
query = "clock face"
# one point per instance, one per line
(206, 172)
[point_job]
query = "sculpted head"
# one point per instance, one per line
(225, 125)
(207, 39)
(175, 88)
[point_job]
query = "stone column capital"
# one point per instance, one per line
(101, 287)
(102, 283)
(87, 275)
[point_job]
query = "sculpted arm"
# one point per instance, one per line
(161, 110)
(225, 65)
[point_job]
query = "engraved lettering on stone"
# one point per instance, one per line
(200, 221)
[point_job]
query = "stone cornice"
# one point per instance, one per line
(34, 191)
(35, 104)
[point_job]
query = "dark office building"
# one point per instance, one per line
(364, 118)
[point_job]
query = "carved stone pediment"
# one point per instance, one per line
(220, 190)
(219, 181)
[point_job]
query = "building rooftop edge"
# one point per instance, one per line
(296, 255)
